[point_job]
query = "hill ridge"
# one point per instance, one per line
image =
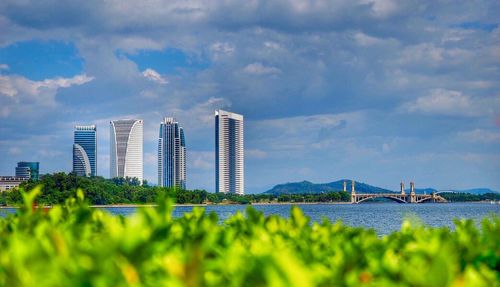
(305, 186)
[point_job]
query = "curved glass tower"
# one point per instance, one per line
(171, 154)
(229, 153)
(85, 151)
(126, 158)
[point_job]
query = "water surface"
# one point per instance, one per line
(383, 217)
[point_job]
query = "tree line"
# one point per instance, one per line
(58, 187)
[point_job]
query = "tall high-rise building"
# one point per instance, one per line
(85, 151)
(28, 169)
(229, 153)
(171, 154)
(126, 158)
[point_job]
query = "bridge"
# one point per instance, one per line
(400, 197)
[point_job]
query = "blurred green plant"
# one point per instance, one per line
(75, 245)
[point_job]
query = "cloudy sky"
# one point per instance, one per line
(376, 90)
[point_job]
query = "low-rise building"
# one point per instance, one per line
(9, 182)
(28, 169)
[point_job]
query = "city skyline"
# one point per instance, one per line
(378, 91)
(171, 154)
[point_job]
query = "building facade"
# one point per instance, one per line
(85, 151)
(10, 182)
(229, 153)
(126, 149)
(171, 154)
(26, 169)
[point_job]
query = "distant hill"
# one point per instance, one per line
(477, 190)
(309, 187)
(422, 190)
(304, 187)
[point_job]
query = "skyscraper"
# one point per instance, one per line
(28, 169)
(171, 154)
(85, 151)
(126, 158)
(229, 153)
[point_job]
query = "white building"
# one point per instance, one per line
(126, 150)
(171, 154)
(10, 182)
(229, 153)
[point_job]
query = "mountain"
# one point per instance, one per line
(309, 187)
(477, 190)
(422, 190)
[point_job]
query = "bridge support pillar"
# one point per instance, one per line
(353, 192)
(413, 196)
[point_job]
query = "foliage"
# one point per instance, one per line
(75, 245)
(57, 187)
(453, 197)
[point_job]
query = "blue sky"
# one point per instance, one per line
(376, 90)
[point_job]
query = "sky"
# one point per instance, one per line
(380, 91)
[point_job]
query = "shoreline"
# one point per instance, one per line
(138, 205)
(132, 205)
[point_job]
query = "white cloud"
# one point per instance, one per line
(14, 85)
(386, 147)
(154, 76)
(365, 40)
(452, 103)
(480, 136)
(7, 87)
(148, 94)
(15, 150)
(33, 97)
(4, 67)
(430, 54)
(272, 45)
(259, 69)
(255, 153)
(221, 49)
(150, 158)
(302, 133)
(201, 115)
(382, 8)
(203, 160)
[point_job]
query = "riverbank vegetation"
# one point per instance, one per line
(58, 187)
(466, 197)
(74, 245)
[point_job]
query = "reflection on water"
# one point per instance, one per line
(383, 217)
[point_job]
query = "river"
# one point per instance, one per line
(383, 217)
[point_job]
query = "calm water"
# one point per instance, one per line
(383, 217)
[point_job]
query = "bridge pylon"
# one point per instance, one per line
(413, 196)
(353, 192)
(402, 188)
